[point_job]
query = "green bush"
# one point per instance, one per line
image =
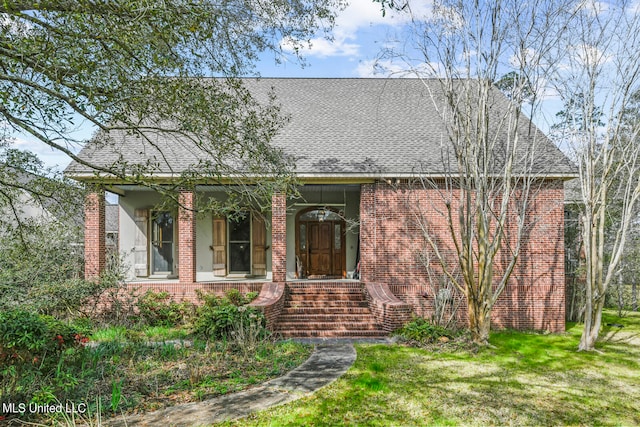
(219, 316)
(159, 309)
(422, 331)
(29, 337)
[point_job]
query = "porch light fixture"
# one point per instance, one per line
(321, 215)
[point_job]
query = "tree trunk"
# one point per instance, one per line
(592, 323)
(634, 296)
(479, 323)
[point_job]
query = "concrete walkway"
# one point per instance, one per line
(327, 363)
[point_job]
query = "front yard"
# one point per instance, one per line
(527, 379)
(54, 371)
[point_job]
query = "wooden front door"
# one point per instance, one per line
(319, 238)
(320, 244)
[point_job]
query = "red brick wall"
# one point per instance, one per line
(186, 238)
(279, 237)
(391, 242)
(94, 235)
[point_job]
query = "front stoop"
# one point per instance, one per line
(327, 310)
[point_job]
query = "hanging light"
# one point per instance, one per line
(321, 215)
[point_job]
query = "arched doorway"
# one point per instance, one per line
(320, 244)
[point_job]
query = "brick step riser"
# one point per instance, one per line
(325, 291)
(325, 286)
(333, 334)
(322, 297)
(327, 317)
(330, 326)
(303, 311)
(321, 304)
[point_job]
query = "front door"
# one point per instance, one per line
(320, 249)
(320, 244)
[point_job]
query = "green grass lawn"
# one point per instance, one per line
(526, 379)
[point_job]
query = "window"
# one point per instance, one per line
(239, 246)
(162, 243)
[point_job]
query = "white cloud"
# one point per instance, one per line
(322, 47)
(357, 15)
(49, 156)
(595, 7)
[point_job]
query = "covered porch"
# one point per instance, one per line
(312, 236)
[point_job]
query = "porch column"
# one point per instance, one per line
(94, 235)
(367, 233)
(186, 238)
(279, 237)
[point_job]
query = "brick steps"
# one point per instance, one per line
(327, 310)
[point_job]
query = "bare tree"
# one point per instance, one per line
(597, 79)
(489, 158)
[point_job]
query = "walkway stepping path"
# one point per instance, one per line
(327, 363)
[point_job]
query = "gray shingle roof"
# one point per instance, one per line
(342, 127)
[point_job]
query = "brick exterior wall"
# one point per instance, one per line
(392, 244)
(94, 235)
(279, 237)
(186, 238)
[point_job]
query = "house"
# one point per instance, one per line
(342, 259)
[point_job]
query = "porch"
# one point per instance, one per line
(314, 236)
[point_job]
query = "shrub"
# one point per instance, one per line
(29, 337)
(159, 309)
(423, 331)
(218, 317)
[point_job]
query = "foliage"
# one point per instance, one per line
(125, 376)
(27, 337)
(41, 269)
(218, 317)
(135, 68)
(423, 331)
(33, 350)
(159, 309)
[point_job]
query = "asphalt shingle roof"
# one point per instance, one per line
(345, 127)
